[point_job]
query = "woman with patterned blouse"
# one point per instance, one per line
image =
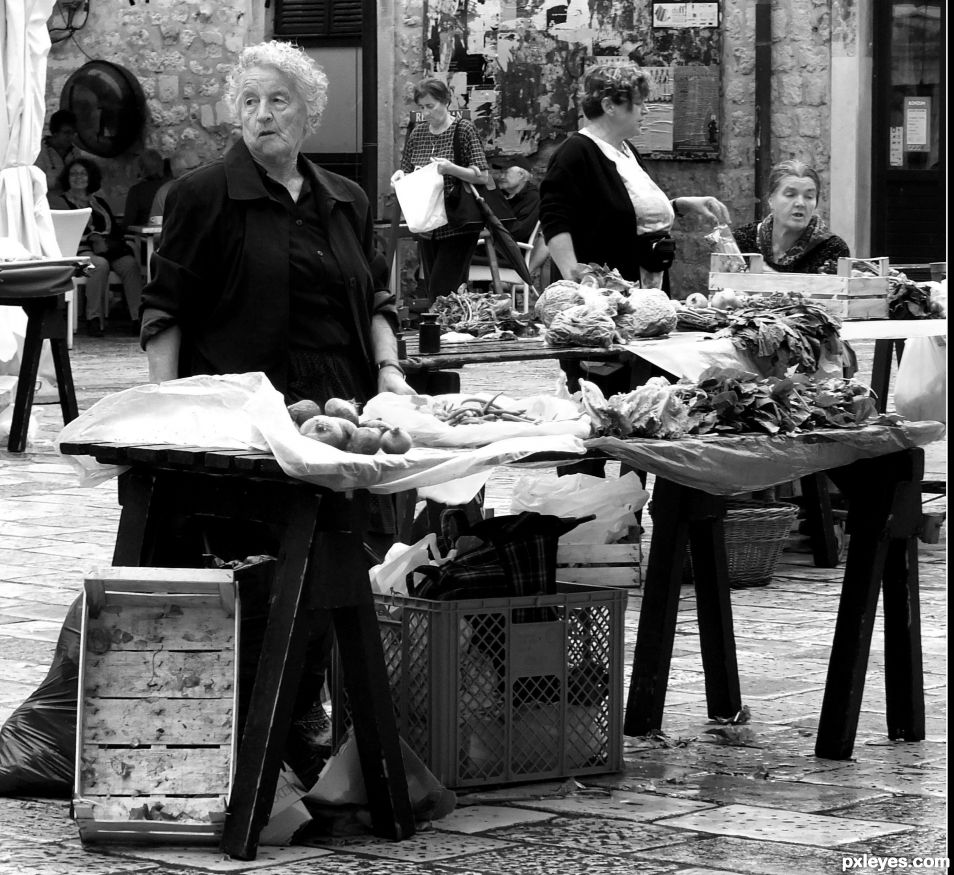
(445, 253)
(792, 238)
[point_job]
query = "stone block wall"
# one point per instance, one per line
(179, 50)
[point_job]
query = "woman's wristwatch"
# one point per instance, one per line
(390, 363)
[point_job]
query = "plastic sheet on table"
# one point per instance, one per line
(739, 463)
(245, 412)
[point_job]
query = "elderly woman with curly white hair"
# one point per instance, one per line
(266, 264)
(266, 261)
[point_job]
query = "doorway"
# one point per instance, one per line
(909, 119)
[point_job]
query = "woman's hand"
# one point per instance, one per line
(446, 167)
(709, 209)
(392, 380)
(97, 242)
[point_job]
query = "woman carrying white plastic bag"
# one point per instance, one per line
(421, 196)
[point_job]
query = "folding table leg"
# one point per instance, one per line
(26, 382)
(821, 523)
(713, 605)
(657, 616)
(883, 511)
(64, 379)
(284, 644)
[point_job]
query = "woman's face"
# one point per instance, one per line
(274, 116)
(627, 117)
(433, 109)
(78, 177)
(793, 202)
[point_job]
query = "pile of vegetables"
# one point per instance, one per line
(911, 300)
(472, 411)
(479, 313)
(602, 309)
(653, 410)
(728, 402)
(732, 402)
(795, 333)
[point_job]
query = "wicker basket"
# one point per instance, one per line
(755, 533)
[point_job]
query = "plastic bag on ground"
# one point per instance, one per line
(38, 741)
(920, 389)
(614, 503)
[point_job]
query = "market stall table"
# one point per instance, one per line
(878, 469)
(40, 288)
(320, 567)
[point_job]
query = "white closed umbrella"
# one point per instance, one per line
(24, 211)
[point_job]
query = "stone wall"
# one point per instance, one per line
(179, 51)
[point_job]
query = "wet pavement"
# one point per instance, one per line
(696, 799)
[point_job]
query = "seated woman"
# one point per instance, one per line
(793, 238)
(102, 241)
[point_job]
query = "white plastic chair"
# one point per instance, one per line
(68, 226)
(534, 253)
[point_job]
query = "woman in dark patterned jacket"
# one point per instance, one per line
(446, 252)
(793, 238)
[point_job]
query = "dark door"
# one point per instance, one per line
(908, 219)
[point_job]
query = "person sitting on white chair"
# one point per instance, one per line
(513, 175)
(102, 242)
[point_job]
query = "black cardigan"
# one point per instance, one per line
(221, 269)
(583, 194)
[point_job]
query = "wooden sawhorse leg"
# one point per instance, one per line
(45, 321)
(320, 567)
(683, 516)
(821, 523)
(884, 514)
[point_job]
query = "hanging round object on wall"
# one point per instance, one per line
(109, 106)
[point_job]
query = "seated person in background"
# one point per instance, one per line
(183, 160)
(140, 195)
(58, 149)
(792, 238)
(102, 241)
(514, 179)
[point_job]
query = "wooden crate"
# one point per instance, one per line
(156, 734)
(610, 565)
(845, 296)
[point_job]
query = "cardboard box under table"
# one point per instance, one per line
(843, 295)
(156, 724)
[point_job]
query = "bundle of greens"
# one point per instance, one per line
(796, 333)
(479, 313)
(910, 300)
(732, 402)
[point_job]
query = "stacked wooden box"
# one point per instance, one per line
(156, 725)
(843, 295)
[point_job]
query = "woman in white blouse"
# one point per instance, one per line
(598, 202)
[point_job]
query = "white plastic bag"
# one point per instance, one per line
(920, 391)
(421, 195)
(613, 501)
(391, 575)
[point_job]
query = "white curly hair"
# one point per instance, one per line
(305, 74)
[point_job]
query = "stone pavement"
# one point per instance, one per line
(687, 801)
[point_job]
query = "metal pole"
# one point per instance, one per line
(369, 102)
(763, 99)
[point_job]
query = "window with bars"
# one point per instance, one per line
(318, 19)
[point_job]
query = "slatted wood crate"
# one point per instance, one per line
(156, 724)
(844, 295)
(604, 565)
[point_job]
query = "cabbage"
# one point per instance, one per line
(556, 297)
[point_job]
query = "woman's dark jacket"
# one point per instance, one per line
(584, 195)
(221, 269)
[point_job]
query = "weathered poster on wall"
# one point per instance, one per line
(685, 14)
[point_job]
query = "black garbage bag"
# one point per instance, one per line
(38, 741)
